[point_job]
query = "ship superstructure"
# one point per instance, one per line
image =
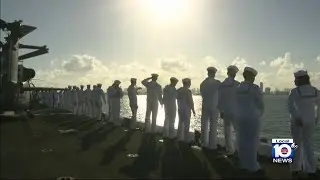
(13, 73)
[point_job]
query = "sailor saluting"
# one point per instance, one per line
(304, 109)
(154, 95)
(250, 108)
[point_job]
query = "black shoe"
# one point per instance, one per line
(260, 172)
(243, 173)
(190, 144)
(165, 138)
(296, 174)
(312, 175)
(219, 147)
(232, 156)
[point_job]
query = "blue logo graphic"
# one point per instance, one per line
(283, 150)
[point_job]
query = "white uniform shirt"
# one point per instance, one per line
(209, 92)
(132, 94)
(154, 91)
(81, 96)
(185, 100)
(98, 94)
(169, 95)
(87, 95)
(304, 103)
(227, 95)
(249, 100)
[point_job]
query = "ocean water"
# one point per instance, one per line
(275, 121)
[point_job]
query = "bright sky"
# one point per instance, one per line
(93, 41)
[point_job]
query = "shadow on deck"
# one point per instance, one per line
(102, 150)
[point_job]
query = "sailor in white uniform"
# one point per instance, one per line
(49, 98)
(304, 108)
(52, 98)
(227, 106)
(79, 99)
(209, 92)
(170, 108)
(133, 101)
(154, 95)
(99, 97)
(69, 99)
(81, 102)
(74, 97)
(185, 106)
(55, 96)
(110, 93)
(44, 97)
(88, 101)
(94, 101)
(250, 108)
(61, 100)
(115, 94)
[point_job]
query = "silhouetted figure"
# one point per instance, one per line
(133, 101)
(154, 96)
(209, 115)
(303, 102)
(170, 107)
(227, 107)
(250, 109)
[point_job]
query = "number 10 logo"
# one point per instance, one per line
(283, 148)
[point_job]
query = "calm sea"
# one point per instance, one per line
(275, 119)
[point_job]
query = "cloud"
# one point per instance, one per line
(175, 64)
(318, 58)
(284, 65)
(52, 62)
(240, 62)
(315, 79)
(262, 63)
(80, 64)
(86, 69)
(283, 69)
(281, 60)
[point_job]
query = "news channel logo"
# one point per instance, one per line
(283, 150)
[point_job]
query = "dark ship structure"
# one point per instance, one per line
(14, 76)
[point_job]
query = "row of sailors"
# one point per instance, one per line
(240, 105)
(77, 100)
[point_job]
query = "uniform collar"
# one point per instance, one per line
(247, 82)
(170, 85)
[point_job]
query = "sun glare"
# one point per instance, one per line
(166, 10)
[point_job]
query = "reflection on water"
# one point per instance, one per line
(275, 119)
(126, 112)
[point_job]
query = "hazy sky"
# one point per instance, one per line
(94, 41)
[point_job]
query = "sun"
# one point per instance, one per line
(166, 10)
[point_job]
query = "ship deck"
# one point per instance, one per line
(34, 148)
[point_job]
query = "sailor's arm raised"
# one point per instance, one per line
(145, 82)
